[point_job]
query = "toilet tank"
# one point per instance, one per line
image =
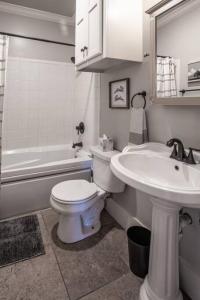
(103, 176)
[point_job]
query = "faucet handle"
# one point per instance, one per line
(194, 149)
(80, 128)
(190, 159)
(80, 144)
(174, 152)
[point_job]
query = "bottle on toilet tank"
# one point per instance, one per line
(106, 143)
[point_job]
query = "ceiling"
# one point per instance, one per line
(61, 7)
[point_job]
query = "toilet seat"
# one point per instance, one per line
(74, 192)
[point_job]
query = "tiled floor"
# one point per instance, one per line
(96, 268)
(93, 269)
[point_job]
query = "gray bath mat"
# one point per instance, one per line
(20, 239)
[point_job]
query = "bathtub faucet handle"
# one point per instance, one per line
(80, 128)
(77, 145)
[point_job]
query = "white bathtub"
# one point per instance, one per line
(30, 163)
(28, 176)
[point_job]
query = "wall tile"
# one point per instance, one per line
(38, 103)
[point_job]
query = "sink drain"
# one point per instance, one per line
(176, 168)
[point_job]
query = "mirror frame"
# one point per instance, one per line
(154, 12)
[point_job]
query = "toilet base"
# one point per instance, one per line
(70, 229)
(78, 221)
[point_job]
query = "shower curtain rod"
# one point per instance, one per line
(36, 39)
(162, 56)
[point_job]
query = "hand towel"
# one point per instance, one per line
(138, 128)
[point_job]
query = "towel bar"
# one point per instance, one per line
(143, 94)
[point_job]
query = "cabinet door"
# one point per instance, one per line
(81, 30)
(81, 9)
(95, 30)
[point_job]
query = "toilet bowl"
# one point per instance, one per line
(79, 202)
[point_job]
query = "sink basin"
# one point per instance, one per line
(170, 184)
(150, 169)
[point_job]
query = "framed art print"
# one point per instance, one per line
(194, 72)
(119, 94)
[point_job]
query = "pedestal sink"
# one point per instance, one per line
(171, 185)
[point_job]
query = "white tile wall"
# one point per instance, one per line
(87, 106)
(38, 107)
(45, 100)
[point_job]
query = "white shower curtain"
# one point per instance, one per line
(3, 61)
(166, 77)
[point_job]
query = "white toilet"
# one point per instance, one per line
(80, 203)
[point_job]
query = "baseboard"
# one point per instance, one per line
(189, 279)
(121, 215)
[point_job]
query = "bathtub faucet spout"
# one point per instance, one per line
(77, 145)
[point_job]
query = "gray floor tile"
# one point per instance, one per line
(106, 219)
(118, 238)
(34, 279)
(45, 234)
(93, 269)
(125, 288)
(91, 263)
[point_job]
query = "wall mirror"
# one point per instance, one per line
(175, 52)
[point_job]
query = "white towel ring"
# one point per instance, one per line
(143, 94)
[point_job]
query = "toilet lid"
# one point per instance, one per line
(74, 191)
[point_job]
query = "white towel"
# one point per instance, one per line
(138, 127)
(166, 77)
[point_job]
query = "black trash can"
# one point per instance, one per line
(139, 239)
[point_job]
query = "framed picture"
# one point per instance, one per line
(119, 94)
(194, 72)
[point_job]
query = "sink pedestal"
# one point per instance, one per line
(172, 184)
(162, 281)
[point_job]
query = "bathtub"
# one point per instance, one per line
(28, 175)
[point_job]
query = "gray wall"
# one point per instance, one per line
(30, 27)
(19, 47)
(62, 7)
(36, 28)
(163, 123)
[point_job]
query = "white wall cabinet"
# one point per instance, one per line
(88, 29)
(108, 32)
